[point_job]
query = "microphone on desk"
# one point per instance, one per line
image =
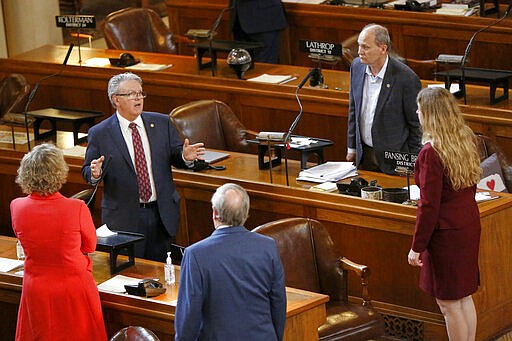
(104, 170)
(468, 49)
(211, 32)
(34, 90)
(295, 122)
(283, 137)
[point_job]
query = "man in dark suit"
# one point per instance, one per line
(232, 283)
(138, 148)
(382, 111)
(260, 21)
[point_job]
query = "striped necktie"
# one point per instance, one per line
(141, 166)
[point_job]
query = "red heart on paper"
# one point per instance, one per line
(490, 184)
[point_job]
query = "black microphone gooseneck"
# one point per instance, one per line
(211, 32)
(468, 49)
(36, 86)
(102, 176)
(295, 122)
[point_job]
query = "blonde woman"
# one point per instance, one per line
(59, 298)
(447, 234)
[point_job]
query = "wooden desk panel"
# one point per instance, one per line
(374, 233)
(419, 35)
(305, 310)
(260, 107)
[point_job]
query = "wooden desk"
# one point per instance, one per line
(76, 117)
(374, 233)
(260, 107)
(418, 35)
(305, 310)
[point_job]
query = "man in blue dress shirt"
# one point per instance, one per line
(232, 283)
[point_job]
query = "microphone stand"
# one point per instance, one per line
(468, 49)
(34, 90)
(211, 32)
(294, 123)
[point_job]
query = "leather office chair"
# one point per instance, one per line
(134, 333)
(212, 122)
(425, 69)
(311, 263)
(486, 147)
(138, 29)
(86, 195)
(14, 88)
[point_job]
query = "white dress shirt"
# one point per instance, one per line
(127, 134)
(371, 91)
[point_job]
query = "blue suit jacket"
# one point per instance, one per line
(120, 203)
(396, 126)
(231, 288)
(257, 16)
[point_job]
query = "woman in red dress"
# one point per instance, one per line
(59, 298)
(447, 233)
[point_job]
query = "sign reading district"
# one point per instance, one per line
(75, 21)
(400, 159)
(320, 47)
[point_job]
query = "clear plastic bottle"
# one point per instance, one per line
(20, 253)
(169, 270)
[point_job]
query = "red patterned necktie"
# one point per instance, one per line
(140, 164)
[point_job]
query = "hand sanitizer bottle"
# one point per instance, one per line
(20, 253)
(169, 270)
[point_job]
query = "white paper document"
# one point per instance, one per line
(329, 171)
(104, 231)
(117, 283)
(8, 264)
(78, 151)
(273, 79)
(479, 196)
(149, 67)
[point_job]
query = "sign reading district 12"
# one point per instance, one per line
(320, 47)
(75, 21)
(400, 159)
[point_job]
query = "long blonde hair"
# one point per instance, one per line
(444, 127)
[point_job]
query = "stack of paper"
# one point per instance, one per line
(329, 171)
(7, 264)
(272, 79)
(456, 9)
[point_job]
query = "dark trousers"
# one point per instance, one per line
(157, 240)
(369, 161)
(269, 53)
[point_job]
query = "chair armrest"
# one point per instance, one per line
(251, 133)
(179, 39)
(363, 272)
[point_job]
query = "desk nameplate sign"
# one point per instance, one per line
(75, 21)
(400, 160)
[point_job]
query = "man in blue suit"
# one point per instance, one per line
(260, 21)
(232, 283)
(111, 142)
(382, 110)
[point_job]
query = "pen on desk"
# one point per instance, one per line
(288, 80)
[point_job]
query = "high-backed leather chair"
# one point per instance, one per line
(311, 263)
(134, 333)
(424, 68)
(137, 29)
(213, 123)
(87, 196)
(13, 89)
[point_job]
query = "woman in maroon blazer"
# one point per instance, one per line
(59, 298)
(447, 234)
